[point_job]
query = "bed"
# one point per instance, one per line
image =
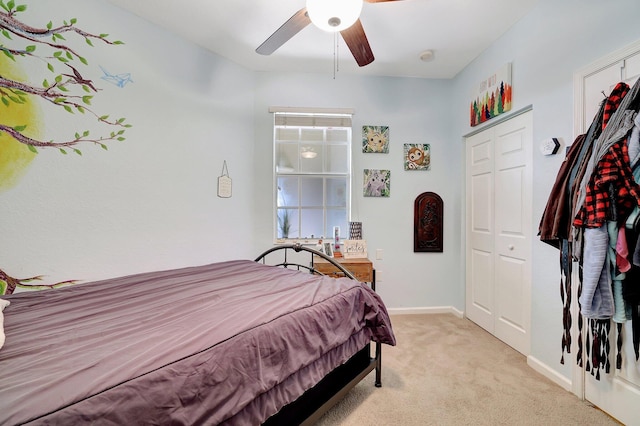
(239, 342)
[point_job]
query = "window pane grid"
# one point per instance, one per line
(312, 177)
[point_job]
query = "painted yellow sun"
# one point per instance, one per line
(15, 157)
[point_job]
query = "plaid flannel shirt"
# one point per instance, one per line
(613, 171)
(612, 191)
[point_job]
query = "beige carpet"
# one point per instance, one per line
(448, 371)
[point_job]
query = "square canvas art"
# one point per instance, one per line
(417, 156)
(377, 183)
(375, 139)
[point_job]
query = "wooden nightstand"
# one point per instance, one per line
(362, 269)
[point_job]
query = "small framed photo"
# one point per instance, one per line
(354, 249)
(328, 250)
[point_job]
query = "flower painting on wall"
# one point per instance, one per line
(377, 183)
(375, 139)
(492, 97)
(417, 156)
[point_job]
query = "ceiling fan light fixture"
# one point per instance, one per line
(334, 15)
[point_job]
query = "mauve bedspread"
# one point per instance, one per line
(230, 342)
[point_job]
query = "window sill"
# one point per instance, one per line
(303, 241)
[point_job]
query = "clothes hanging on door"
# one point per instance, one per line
(609, 195)
(586, 215)
(557, 222)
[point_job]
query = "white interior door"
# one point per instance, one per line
(480, 306)
(617, 393)
(513, 153)
(498, 295)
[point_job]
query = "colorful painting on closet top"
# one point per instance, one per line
(492, 97)
(57, 51)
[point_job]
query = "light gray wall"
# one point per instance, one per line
(416, 111)
(150, 202)
(545, 48)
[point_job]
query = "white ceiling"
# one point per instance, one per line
(398, 32)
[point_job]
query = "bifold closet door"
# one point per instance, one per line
(499, 231)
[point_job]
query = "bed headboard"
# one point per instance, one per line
(281, 254)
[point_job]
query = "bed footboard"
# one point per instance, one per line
(316, 401)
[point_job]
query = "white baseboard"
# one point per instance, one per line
(430, 310)
(549, 373)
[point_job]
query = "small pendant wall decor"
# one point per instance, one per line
(427, 223)
(224, 182)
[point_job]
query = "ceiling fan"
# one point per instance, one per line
(330, 15)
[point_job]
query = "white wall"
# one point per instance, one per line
(150, 202)
(546, 47)
(416, 111)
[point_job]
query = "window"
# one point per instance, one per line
(312, 174)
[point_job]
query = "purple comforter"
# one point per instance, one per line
(230, 342)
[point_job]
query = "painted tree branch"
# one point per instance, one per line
(12, 25)
(13, 283)
(69, 90)
(59, 92)
(20, 137)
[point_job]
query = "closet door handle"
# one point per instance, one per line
(510, 246)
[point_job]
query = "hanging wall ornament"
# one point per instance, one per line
(224, 182)
(427, 223)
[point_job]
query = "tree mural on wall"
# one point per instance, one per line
(66, 88)
(8, 284)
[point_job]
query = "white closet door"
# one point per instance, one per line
(499, 234)
(513, 239)
(617, 393)
(480, 307)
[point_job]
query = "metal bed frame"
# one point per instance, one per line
(309, 407)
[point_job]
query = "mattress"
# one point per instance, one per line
(229, 342)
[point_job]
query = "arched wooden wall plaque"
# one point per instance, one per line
(427, 223)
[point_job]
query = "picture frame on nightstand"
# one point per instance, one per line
(354, 249)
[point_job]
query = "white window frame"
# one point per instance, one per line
(312, 118)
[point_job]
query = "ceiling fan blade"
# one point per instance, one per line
(357, 42)
(290, 28)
